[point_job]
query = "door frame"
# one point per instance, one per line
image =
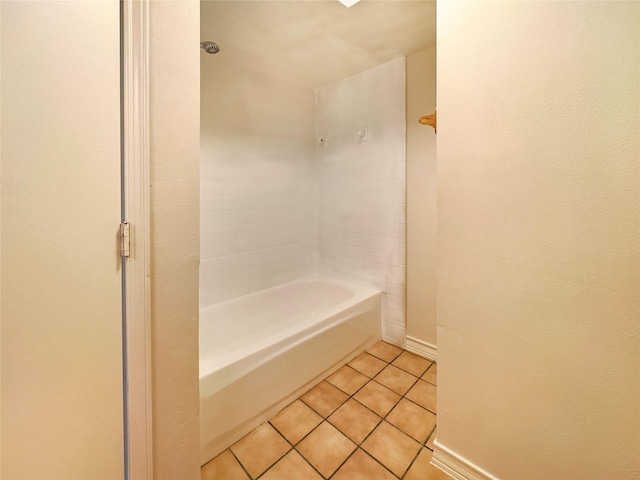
(136, 192)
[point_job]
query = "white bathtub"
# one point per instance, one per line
(259, 352)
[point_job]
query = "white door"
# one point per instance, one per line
(61, 299)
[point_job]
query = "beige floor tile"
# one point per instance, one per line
(395, 379)
(412, 420)
(326, 448)
(394, 449)
(223, 467)
(431, 375)
(295, 421)
(393, 442)
(412, 363)
(348, 380)
(260, 449)
(423, 394)
(367, 364)
(377, 397)
(423, 470)
(362, 467)
(385, 351)
(291, 467)
(432, 438)
(324, 398)
(354, 420)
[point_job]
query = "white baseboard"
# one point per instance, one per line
(457, 466)
(421, 348)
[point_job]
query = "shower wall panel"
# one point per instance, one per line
(361, 135)
(258, 217)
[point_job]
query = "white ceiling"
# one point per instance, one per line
(317, 42)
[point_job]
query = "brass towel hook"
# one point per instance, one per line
(429, 120)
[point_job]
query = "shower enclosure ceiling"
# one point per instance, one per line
(317, 43)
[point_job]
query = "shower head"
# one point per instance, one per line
(210, 47)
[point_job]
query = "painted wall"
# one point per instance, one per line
(538, 237)
(0, 238)
(174, 137)
(361, 190)
(422, 201)
(258, 177)
(61, 311)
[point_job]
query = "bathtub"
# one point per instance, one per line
(261, 351)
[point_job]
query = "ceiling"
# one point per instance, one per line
(317, 42)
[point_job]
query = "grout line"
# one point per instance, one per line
(293, 448)
(358, 446)
(411, 373)
(408, 389)
(281, 456)
(343, 391)
(429, 437)
(365, 439)
(379, 462)
(421, 446)
(240, 463)
(345, 461)
(202, 466)
(430, 367)
(373, 354)
(404, 397)
(415, 403)
(419, 378)
(323, 416)
(310, 464)
(369, 354)
(281, 434)
(383, 418)
(366, 453)
(411, 463)
(396, 404)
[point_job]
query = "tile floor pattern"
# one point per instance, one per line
(373, 419)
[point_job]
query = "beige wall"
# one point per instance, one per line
(0, 241)
(421, 199)
(175, 105)
(538, 237)
(61, 311)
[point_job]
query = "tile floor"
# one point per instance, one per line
(373, 419)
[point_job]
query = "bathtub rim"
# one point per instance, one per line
(314, 277)
(211, 364)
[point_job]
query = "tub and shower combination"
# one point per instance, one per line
(261, 351)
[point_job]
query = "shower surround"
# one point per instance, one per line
(362, 186)
(257, 187)
(295, 181)
(277, 204)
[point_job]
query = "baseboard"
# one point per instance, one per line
(421, 348)
(457, 466)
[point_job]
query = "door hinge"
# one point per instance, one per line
(125, 239)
